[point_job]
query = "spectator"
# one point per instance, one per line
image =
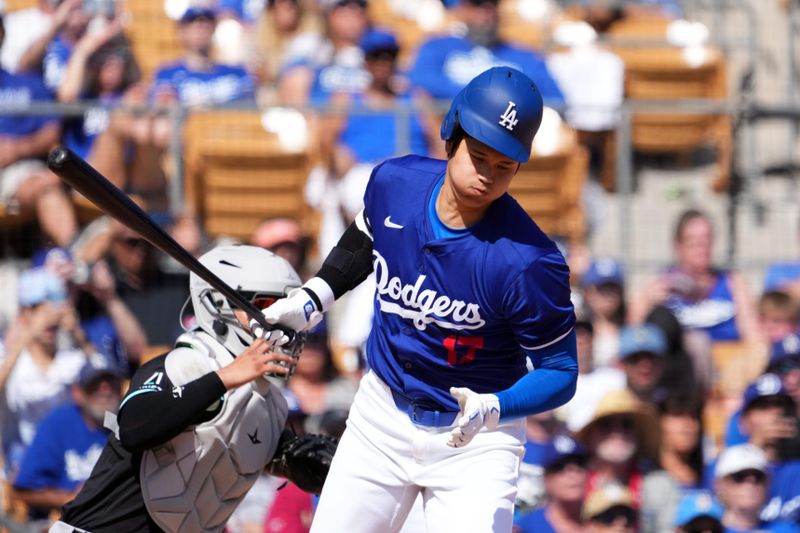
(36, 373)
(687, 363)
(154, 295)
(593, 383)
(542, 431)
(785, 362)
(25, 27)
(610, 509)
(105, 319)
(291, 511)
(275, 36)
(701, 296)
(444, 64)
(769, 421)
(49, 54)
(282, 236)
(316, 383)
(778, 316)
(621, 437)
(68, 442)
(565, 489)
(741, 484)
(641, 351)
(603, 286)
(24, 180)
(101, 68)
(699, 512)
(318, 66)
(680, 463)
(197, 80)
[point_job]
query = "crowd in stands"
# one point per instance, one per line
(660, 435)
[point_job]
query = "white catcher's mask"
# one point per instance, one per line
(257, 274)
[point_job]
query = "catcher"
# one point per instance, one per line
(200, 423)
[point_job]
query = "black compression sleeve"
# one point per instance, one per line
(153, 413)
(349, 263)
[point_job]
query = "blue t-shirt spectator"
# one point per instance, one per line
(62, 453)
(81, 132)
(219, 85)
(444, 65)
(18, 91)
(338, 77)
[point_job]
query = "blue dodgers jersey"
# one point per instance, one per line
(19, 91)
(458, 311)
(444, 65)
(221, 84)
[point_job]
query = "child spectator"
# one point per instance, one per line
(777, 316)
(67, 443)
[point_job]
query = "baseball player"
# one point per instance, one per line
(468, 287)
(200, 423)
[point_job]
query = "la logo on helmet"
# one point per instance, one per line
(509, 117)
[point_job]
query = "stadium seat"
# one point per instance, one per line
(237, 174)
(549, 188)
(670, 74)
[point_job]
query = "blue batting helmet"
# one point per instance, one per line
(502, 108)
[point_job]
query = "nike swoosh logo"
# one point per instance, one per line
(389, 224)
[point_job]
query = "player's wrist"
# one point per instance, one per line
(320, 293)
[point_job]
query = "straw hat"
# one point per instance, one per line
(623, 402)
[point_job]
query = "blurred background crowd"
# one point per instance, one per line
(659, 169)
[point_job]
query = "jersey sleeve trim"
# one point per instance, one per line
(545, 345)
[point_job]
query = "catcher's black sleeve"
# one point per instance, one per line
(154, 410)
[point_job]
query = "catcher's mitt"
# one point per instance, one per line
(304, 461)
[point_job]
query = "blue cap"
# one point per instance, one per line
(197, 12)
(603, 270)
(38, 285)
(786, 348)
(92, 374)
(54, 254)
(646, 338)
(376, 40)
(561, 449)
(502, 108)
(695, 505)
(766, 386)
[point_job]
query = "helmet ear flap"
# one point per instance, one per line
(220, 328)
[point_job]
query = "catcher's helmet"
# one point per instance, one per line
(501, 108)
(259, 275)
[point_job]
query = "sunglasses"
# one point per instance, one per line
(753, 476)
(784, 367)
(622, 423)
(615, 514)
(131, 242)
(569, 462)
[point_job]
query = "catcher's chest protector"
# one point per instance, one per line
(194, 482)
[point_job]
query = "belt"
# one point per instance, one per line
(422, 414)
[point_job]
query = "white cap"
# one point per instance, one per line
(739, 458)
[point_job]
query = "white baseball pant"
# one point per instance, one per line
(384, 461)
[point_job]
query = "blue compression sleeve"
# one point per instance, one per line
(550, 385)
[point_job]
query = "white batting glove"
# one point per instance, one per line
(477, 411)
(297, 311)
